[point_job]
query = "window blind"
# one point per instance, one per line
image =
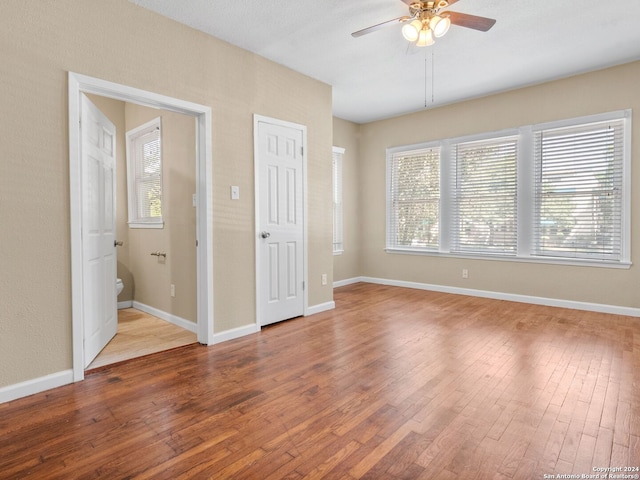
(144, 175)
(338, 240)
(485, 197)
(149, 170)
(578, 204)
(414, 201)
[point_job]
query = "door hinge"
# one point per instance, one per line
(196, 242)
(302, 151)
(303, 286)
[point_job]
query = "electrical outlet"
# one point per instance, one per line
(465, 273)
(324, 279)
(173, 290)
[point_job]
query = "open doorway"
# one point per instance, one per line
(155, 225)
(80, 84)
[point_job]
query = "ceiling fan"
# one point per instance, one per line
(425, 22)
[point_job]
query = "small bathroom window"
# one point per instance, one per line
(144, 175)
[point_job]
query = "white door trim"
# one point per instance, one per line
(256, 147)
(204, 196)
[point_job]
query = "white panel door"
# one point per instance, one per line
(281, 222)
(99, 259)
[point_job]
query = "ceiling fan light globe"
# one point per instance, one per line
(411, 31)
(425, 39)
(439, 25)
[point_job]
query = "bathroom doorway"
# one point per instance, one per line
(200, 117)
(156, 255)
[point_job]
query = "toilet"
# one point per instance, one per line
(119, 286)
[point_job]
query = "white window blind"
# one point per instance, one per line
(578, 205)
(414, 199)
(338, 235)
(485, 197)
(144, 162)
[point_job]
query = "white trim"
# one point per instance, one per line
(348, 281)
(256, 148)
(36, 385)
(167, 317)
(550, 302)
(235, 333)
(125, 304)
(204, 199)
(322, 307)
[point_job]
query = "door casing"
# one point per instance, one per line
(258, 251)
(204, 200)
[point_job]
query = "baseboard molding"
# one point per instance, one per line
(37, 385)
(235, 333)
(125, 304)
(550, 302)
(169, 317)
(322, 307)
(348, 281)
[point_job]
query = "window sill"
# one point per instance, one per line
(522, 259)
(338, 252)
(146, 225)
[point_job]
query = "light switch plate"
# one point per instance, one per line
(235, 192)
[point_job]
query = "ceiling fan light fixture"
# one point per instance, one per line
(411, 31)
(425, 38)
(439, 25)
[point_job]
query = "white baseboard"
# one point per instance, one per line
(125, 304)
(550, 302)
(323, 307)
(348, 281)
(235, 333)
(169, 317)
(37, 385)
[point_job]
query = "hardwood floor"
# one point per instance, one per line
(392, 384)
(141, 334)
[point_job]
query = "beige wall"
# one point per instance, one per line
(348, 264)
(40, 41)
(602, 91)
(152, 276)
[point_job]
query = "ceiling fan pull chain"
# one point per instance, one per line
(433, 77)
(425, 79)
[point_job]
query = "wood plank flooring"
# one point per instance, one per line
(392, 384)
(141, 334)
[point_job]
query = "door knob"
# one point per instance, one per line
(117, 243)
(265, 234)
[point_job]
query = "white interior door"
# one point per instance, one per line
(99, 260)
(280, 222)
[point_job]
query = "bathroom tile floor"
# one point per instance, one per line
(141, 334)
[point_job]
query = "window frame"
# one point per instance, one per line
(391, 215)
(133, 166)
(526, 194)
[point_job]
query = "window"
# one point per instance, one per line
(485, 196)
(338, 235)
(414, 199)
(556, 192)
(144, 175)
(579, 172)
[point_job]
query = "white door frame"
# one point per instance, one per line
(256, 149)
(204, 197)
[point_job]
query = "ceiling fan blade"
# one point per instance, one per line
(379, 26)
(471, 21)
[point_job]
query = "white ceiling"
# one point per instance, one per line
(377, 76)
